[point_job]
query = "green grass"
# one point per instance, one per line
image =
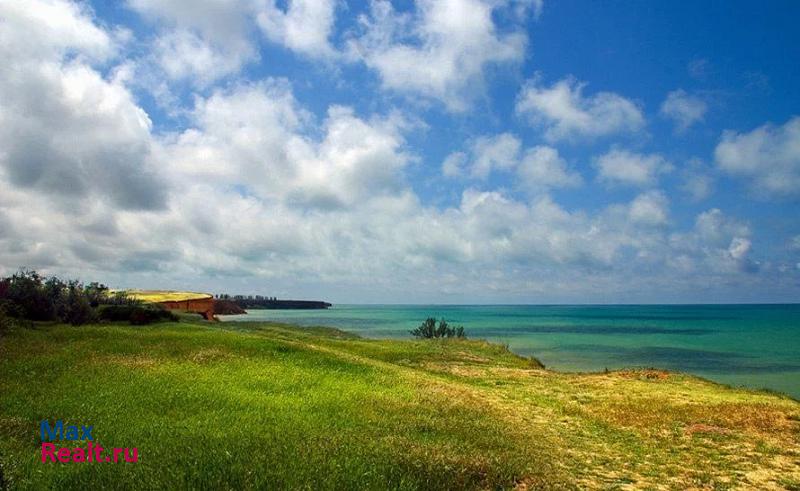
(272, 406)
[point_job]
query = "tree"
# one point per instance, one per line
(29, 296)
(429, 330)
(75, 307)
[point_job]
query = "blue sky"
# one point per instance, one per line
(450, 151)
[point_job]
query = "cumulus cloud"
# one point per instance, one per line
(768, 156)
(697, 181)
(497, 152)
(623, 167)
(65, 130)
(684, 109)
(543, 168)
(250, 187)
(304, 26)
(565, 113)
(650, 208)
(59, 27)
(200, 40)
(717, 243)
(439, 51)
(183, 55)
(538, 169)
(453, 164)
(258, 131)
(486, 154)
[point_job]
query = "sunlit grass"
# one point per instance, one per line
(154, 296)
(273, 406)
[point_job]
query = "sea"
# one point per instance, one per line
(755, 346)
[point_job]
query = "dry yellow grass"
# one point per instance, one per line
(155, 296)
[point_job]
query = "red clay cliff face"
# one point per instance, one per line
(202, 306)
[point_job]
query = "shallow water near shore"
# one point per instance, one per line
(756, 346)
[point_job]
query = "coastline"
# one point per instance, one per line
(740, 346)
(318, 405)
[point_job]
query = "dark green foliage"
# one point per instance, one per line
(27, 295)
(5, 319)
(135, 313)
(96, 293)
(429, 330)
(75, 307)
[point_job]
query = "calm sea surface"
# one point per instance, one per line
(751, 345)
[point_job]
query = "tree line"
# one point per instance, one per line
(29, 296)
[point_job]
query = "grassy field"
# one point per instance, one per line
(271, 406)
(151, 296)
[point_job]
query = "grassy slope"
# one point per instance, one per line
(260, 405)
(164, 295)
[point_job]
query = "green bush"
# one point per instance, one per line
(5, 319)
(75, 307)
(29, 296)
(136, 314)
(429, 330)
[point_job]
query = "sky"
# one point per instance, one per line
(406, 151)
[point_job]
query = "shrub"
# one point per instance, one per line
(96, 293)
(5, 319)
(136, 314)
(429, 330)
(75, 307)
(29, 296)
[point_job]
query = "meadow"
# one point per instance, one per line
(264, 405)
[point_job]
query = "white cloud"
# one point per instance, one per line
(768, 156)
(684, 109)
(499, 152)
(185, 56)
(65, 130)
(717, 244)
(258, 131)
(538, 169)
(439, 51)
(650, 208)
(199, 40)
(543, 168)
(697, 183)
(453, 164)
(305, 26)
(255, 189)
(223, 22)
(564, 112)
(49, 29)
(619, 166)
(739, 248)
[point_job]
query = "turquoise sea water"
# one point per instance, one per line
(750, 345)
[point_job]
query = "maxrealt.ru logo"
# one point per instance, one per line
(67, 453)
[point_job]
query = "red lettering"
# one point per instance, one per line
(47, 451)
(78, 454)
(63, 455)
(117, 451)
(97, 451)
(135, 455)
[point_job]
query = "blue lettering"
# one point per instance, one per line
(86, 432)
(48, 433)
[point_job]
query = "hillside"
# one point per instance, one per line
(164, 295)
(264, 405)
